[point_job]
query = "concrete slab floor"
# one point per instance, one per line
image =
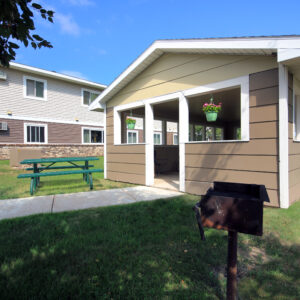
(12, 208)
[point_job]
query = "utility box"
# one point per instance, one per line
(234, 207)
(18, 154)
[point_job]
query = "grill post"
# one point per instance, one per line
(232, 266)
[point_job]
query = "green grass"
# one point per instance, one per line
(149, 250)
(12, 187)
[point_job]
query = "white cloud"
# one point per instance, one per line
(81, 2)
(67, 24)
(73, 73)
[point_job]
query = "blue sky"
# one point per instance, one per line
(97, 40)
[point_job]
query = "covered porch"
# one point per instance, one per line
(165, 159)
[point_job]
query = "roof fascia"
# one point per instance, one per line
(55, 75)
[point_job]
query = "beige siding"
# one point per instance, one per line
(255, 161)
(124, 162)
(294, 149)
(173, 72)
(63, 100)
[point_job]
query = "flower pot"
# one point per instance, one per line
(130, 126)
(211, 116)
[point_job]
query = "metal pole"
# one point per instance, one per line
(232, 266)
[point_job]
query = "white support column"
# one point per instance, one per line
(117, 127)
(183, 133)
(105, 149)
(283, 137)
(149, 120)
(164, 132)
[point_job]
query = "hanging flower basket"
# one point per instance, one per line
(211, 116)
(130, 123)
(211, 110)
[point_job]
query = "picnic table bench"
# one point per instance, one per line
(39, 169)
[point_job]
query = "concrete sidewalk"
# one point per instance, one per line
(13, 208)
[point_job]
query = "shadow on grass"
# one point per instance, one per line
(140, 251)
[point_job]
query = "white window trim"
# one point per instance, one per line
(160, 137)
(242, 82)
(137, 137)
(175, 134)
(88, 90)
(35, 79)
(36, 125)
(94, 129)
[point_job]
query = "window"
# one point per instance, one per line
(132, 137)
(88, 97)
(93, 136)
(219, 133)
(35, 88)
(297, 118)
(35, 133)
(157, 138)
(175, 139)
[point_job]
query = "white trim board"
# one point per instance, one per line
(283, 137)
(242, 81)
(33, 70)
(21, 118)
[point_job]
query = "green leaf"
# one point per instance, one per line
(37, 37)
(33, 44)
(13, 45)
(35, 5)
(43, 11)
(50, 19)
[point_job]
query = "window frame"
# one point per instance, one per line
(137, 136)
(160, 137)
(36, 125)
(91, 129)
(90, 91)
(44, 81)
(175, 134)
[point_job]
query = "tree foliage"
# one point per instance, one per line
(16, 24)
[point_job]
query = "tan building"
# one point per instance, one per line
(255, 138)
(48, 111)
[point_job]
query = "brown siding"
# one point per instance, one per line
(294, 152)
(255, 161)
(124, 162)
(57, 133)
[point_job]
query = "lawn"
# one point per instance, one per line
(11, 187)
(148, 250)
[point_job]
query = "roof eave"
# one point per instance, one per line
(51, 74)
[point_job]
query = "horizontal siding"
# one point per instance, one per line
(233, 162)
(256, 147)
(264, 113)
(264, 130)
(126, 177)
(174, 72)
(125, 163)
(63, 100)
(58, 133)
(253, 162)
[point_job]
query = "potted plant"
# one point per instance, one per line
(130, 123)
(211, 110)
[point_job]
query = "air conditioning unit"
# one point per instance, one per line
(3, 75)
(3, 125)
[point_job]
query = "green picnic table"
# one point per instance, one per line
(40, 167)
